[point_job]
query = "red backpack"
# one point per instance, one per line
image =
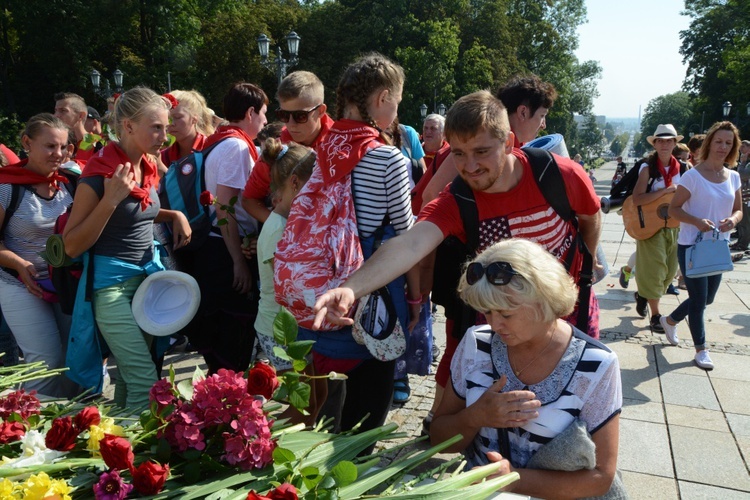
(320, 246)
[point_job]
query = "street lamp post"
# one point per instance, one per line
(726, 110)
(423, 111)
(107, 91)
(279, 65)
(441, 109)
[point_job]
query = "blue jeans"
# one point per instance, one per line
(701, 292)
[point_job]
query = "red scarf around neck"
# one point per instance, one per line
(235, 131)
(346, 143)
(668, 173)
(19, 174)
(109, 157)
(172, 153)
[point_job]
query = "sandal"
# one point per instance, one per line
(401, 391)
(737, 257)
(737, 248)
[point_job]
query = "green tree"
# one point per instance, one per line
(590, 139)
(670, 108)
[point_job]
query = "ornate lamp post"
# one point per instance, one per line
(441, 109)
(279, 65)
(106, 92)
(423, 111)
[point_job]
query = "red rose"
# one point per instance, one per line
(86, 418)
(149, 477)
(206, 198)
(11, 432)
(284, 492)
(62, 435)
(262, 380)
(116, 452)
(254, 496)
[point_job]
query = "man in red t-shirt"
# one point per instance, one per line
(509, 204)
(303, 112)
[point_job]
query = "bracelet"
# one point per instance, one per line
(414, 301)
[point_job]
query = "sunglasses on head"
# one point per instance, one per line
(299, 116)
(498, 273)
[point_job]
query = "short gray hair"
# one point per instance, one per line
(434, 117)
(542, 284)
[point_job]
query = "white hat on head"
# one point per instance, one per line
(165, 302)
(664, 131)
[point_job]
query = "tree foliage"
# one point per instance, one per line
(448, 47)
(671, 108)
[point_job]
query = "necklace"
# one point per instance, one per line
(519, 372)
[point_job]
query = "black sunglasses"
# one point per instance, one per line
(299, 116)
(498, 273)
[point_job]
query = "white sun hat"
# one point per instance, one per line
(165, 302)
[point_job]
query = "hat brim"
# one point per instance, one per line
(166, 302)
(650, 139)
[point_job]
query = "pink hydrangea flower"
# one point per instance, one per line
(21, 403)
(220, 395)
(163, 393)
(185, 429)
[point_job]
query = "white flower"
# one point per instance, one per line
(34, 452)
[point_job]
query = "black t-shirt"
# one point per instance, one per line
(129, 233)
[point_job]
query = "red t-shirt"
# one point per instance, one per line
(521, 212)
(438, 157)
(258, 185)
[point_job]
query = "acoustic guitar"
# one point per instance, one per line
(644, 221)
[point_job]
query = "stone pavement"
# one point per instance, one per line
(685, 433)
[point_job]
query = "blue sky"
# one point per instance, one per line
(637, 45)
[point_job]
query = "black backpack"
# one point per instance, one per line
(625, 186)
(181, 189)
(453, 253)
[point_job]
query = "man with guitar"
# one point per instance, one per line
(656, 254)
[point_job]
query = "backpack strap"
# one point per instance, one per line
(550, 182)
(467, 208)
(16, 193)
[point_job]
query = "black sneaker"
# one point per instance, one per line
(641, 305)
(656, 324)
(671, 290)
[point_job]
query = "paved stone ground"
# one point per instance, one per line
(685, 433)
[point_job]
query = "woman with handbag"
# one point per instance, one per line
(708, 199)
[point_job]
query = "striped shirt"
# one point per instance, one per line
(30, 225)
(381, 188)
(585, 384)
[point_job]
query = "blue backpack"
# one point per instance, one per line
(181, 189)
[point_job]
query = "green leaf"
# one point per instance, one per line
(222, 222)
(299, 395)
(163, 451)
(192, 472)
(344, 473)
(310, 476)
(279, 352)
(283, 456)
(300, 348)
(299, 365)
(230, 209)
(192, 455)
(232, 201)
(284, 327)
(185, 388)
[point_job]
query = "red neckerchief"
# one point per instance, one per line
(109, 157)
(225, 131)
(346, 143)
(172, 153)
(326, 122)
(18, 174)
(674, 169)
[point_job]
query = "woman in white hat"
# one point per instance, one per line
(656, 257)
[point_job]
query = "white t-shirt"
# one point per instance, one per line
(708, 200)
(269, 236)
(659, 181)
(230, 164)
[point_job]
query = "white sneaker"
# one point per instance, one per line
(669, 330)
(703, 360)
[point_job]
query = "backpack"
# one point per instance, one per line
(181, 189)
(414, 166)
(624, 187)
(64, 279)
(453, 253)
(319, 248)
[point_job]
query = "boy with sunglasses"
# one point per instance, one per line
(303, 112)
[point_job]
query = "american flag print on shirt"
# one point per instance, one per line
(543, 226)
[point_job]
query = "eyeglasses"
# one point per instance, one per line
(498, 273)
(299, 116)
